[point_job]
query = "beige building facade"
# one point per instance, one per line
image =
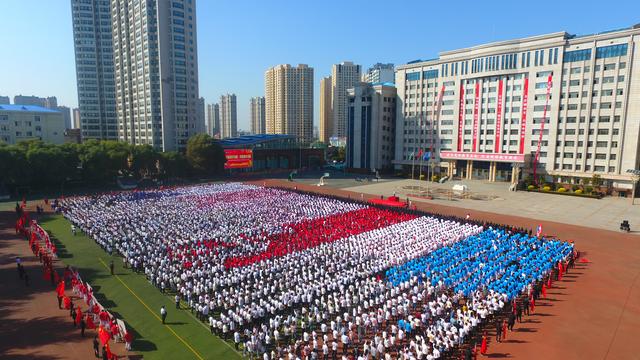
(326, 116)
(289, 101)
(228, 116)
(486, 110)
(29, 122)
(258, 124)
(344, 76)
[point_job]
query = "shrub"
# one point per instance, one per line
(530, 187)
(435, 178)
(589, 189)
(575, 187)
(578, 192)
(546, 188)
(561, 190)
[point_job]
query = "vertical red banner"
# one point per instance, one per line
(476, 106)
(461, 116)
(523, 118)
(498, 140)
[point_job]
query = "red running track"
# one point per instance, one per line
(311, 233)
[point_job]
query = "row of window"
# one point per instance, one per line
(601, 53)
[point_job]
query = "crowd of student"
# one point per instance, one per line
(292, 275)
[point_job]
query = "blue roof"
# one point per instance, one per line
(26, 108)
(253, 139)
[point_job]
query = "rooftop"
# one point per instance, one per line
(26, 108)
(253, 139)
(559, 35)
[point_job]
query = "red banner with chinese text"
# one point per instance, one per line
(238, 158)
(476, 106)
(498, 141)
(523, 118)
(461, 116)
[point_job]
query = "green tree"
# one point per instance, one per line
(174, 165)
(144, 160)
(205, 156)
(596, 180)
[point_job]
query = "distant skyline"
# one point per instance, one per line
(239, 40)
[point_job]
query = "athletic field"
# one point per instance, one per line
(131, 297)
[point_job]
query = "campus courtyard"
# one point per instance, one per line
(591, 312)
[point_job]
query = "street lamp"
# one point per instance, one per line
(635, 176)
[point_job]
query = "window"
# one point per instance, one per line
(611, 51)
(413, 76)
(577, 55)
(607, 79)
(622, 65)
(574, 82)
(430, 74)
(603, 131)
(620, 78)
(575, 70)
(609, 67)
(601, 144)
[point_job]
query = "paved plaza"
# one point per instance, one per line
(606, 213)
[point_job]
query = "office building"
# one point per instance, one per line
(213, 120)
(258, 125)
(371, 126)
(202, 123)
(289, 101)
(29, 122)
(73, 136)
(344, 76)
(4, 100)
(156, 71)
(326, 117)
(93, 46)
(228, 116)
(380, 73)
(66, 115)
(51, 102)
(488, 109)
(76, 118)
(30, 100)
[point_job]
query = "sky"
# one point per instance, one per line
(239, 39)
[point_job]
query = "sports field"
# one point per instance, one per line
(591, 313)
(131, 297)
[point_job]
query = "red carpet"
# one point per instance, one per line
(393, 201)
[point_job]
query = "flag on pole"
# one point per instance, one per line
(426, 156)
(539, 230)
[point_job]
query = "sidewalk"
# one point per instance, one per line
(31, 324)
(606, 213)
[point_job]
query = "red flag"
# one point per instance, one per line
(103, 335)
(109, 354)
(60, 288)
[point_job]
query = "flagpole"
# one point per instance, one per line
(413, 164)
(420, 155)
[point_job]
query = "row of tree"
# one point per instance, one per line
(42, 166)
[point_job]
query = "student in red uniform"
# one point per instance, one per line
(483, 347)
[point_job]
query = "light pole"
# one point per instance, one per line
(635, 176)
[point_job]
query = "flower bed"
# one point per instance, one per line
(566, 193)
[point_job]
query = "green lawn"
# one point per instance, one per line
(131, 297)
